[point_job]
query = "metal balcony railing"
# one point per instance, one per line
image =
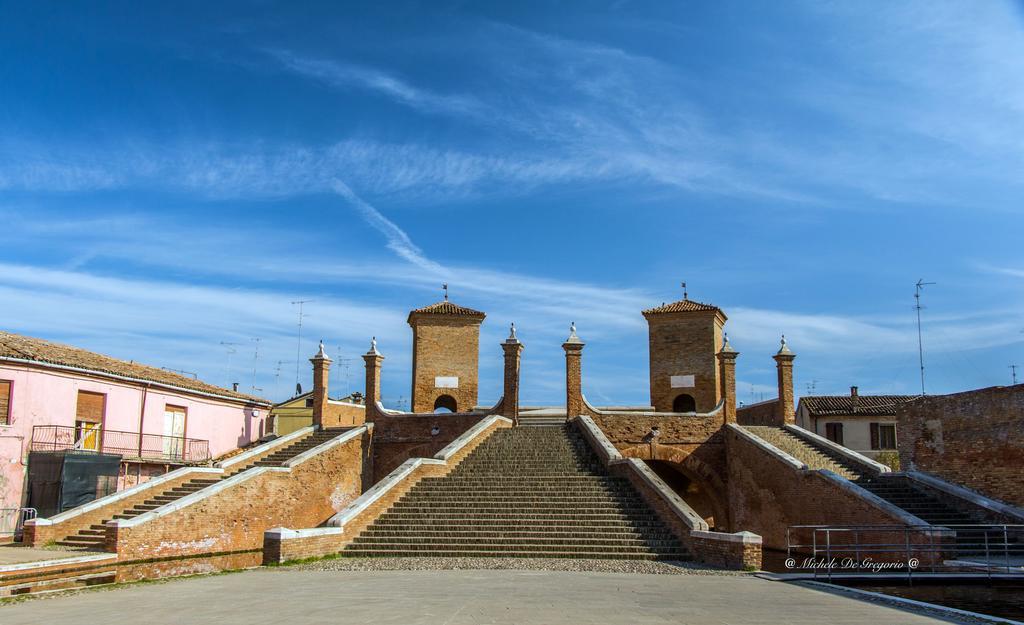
(852, 550)
(129, 445)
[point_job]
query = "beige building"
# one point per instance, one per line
(863, 423)
(297, 413)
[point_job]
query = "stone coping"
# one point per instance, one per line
(651, 413)
(464, 439)
(267, 446)
(851, 455)
(868, 496)
(475, 411)
(39, 564)
(128, 492)
(611, 456)
(239, 478)
(767, 447)
(335, 402)
(747, 538)
(961, 492)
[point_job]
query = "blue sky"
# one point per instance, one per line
(173, 178)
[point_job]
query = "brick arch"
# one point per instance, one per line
(692, 467)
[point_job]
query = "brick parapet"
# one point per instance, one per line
(232, 515)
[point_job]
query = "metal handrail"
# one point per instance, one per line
(987, 546)
(131, 445)
(12, 520)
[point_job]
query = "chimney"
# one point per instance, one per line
(854, 398)
(234, 386)
(321, 371)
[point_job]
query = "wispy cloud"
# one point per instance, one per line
(348, 75)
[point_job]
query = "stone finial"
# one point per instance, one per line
(784, 348)
(573, 338)
(726, 347)
(321, 354)
(512, 334)
(373, 347)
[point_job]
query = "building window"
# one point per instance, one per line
(834, 432)
(89, 420)
(883, 436)
(5, 402)
(309, 402)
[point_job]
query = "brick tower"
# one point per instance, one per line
(684, 338)
(445, 356)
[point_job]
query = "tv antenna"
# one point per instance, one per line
(298, 342)
(343, 364)
(195, 376)
(230, 347)
(920, 345)
(1013, 373)
(685, 294)
(277, 375)
(812, 387)
(255, 359)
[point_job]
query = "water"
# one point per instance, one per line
(1002, 598)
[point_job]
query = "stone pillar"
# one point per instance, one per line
(513, 348)
(785, 410)
(727, 365)
(321, 373)
(573, 347)
(373, 360)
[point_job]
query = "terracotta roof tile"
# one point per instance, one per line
(683, 305)
(867, 405)
(448, 308)
(46, 352)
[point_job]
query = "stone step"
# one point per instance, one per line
(484, 547)
(493, 534)
(82, 541)
(378, 552)
(430, 542)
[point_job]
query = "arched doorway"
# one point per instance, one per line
(690, 489)
(684, 403)
(445, 403)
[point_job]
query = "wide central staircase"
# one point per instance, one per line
(93, 536)
(524, 492)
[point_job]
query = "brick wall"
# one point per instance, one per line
(343, 415)
(236, 517)
(396, 438)
(693, 445)
(762, 413)
(768, 495)
(38, 534)
(974, 439)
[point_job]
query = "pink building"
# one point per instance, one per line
(57, 398)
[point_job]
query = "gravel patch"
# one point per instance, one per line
(518, 564)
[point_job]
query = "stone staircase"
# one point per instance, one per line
(537, 492)
(895, 489)
(94, 536)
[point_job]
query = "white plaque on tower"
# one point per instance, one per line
(446, 382)
(682, 381)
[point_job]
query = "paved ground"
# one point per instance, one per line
(17, 554)
(275, 596)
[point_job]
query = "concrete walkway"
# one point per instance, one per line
(276, 596)
(16, 553)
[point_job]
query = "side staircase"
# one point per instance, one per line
(536, 492)
(895, 489)
(94, 536)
